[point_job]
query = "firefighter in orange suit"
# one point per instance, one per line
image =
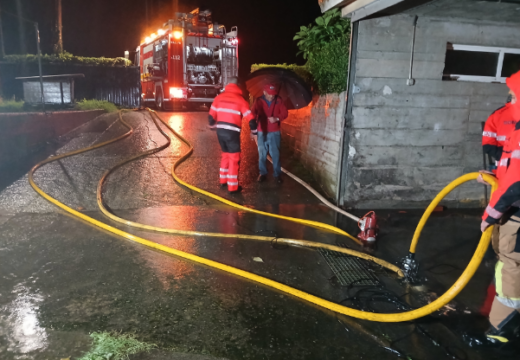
(504, 211)
(497, 129)
(226, 115)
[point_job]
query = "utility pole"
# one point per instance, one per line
(23, 46)
(39, 62)
(58, 36)
(2, 47)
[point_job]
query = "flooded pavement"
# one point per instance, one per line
(61, 278)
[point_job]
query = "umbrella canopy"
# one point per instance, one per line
(293, 90)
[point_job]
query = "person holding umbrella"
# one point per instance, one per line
(268, 111)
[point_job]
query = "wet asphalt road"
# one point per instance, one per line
(61, 279)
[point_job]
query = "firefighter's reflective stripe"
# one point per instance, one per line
(489, 134)
(512, 302)
(232, 183)
(515, 154)
(224, 170)
(228, 127)
(223, 176)
(230, 111)
(503, 162)
(232, 176)
(501, 138)
(247, 113)
(493, 213)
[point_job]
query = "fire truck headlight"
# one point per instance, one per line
(177, 93)
(177, 34)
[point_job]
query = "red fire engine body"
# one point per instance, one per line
(188, 61)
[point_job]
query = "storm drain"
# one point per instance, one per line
(349, 269)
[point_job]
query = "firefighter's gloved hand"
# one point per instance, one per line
(481, 180)
(484, 225)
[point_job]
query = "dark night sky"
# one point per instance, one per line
(109, 27)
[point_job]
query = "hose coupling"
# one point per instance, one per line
(410, 268)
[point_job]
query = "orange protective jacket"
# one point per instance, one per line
(507, 196)
(497, 129)
(508, 193)
(229, 108)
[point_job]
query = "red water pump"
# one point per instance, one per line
(369, 229)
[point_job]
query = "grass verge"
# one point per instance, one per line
(96, 104)
(8, 106)
(113, 346)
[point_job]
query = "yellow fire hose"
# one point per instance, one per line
(292, 242)
(396, 317)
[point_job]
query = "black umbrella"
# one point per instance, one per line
(293, 90)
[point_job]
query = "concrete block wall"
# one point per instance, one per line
(314, 134)
(408, 142)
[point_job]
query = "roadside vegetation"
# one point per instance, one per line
(325, 46)
(10, 106)
(67, 58)
(95, 104)
(113, 346)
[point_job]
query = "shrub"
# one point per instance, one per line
(115, 347)
(95, 104)
(329, 27)
(67, 58)
(329, 66)
(326, 48)
(8, 106)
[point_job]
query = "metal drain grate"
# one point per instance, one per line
(349, 269)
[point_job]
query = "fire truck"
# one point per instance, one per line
(188, 61)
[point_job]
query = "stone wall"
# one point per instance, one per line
(408, 142)
(25, 133)
(314, 134)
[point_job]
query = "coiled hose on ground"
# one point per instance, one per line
(393, 317)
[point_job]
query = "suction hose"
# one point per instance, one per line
(396, 317)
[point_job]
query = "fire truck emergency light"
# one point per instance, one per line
(177, 34)
(161, 32)
(178, 93)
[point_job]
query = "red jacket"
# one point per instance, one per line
(228, 109)
(497, 129)
(261, 111)
(508, 193)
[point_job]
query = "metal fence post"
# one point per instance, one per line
(39, 62)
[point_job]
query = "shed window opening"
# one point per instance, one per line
(480, 63)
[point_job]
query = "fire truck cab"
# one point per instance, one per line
(188, 61)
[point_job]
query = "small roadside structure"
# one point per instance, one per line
(57, 89)
(423, 76)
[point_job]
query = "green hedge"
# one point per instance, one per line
(329, 66)
(9, 106)
(67, 58)
(95, 105)
(300, 70)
